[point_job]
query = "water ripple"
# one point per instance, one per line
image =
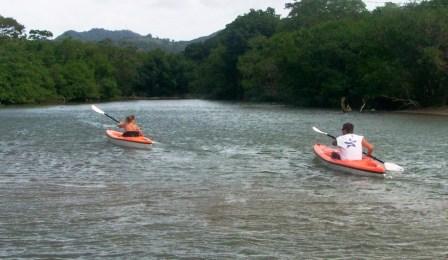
(224, 180)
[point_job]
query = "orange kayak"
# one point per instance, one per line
(366, 166)
(139, 142)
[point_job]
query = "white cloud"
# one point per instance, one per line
(174, 19)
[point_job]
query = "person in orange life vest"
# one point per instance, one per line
(351, 145)
(130, 127)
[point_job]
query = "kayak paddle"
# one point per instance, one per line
(96, 109)
(320, 132)
(388, 165)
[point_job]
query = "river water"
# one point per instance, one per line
(224, 180)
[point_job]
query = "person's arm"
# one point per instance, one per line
(121, 124)
(368, 146)
(335, 141)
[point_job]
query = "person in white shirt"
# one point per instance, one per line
(351, 145)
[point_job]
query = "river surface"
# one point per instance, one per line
(223, 181)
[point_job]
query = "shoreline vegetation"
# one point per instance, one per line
(389, 59)
(430, 111)
(122, 99)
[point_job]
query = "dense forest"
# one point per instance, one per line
(390, 58)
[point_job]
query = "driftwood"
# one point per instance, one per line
(345, 106)
(382, 102)
(401, 103)
(363, 105)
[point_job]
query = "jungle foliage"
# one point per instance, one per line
(391, 57)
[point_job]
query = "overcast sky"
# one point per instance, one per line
(173, 19)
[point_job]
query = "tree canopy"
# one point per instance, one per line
(10, 28)
(392, 57)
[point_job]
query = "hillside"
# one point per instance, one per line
(129, 38)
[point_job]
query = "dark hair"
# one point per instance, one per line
(348, 127)
(130, 118)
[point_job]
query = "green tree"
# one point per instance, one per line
(23, 76)
(40, 35)
(306, 13)
(162, 75)
(260, 71)
(10, 28)
(76, 81)
(217, 74)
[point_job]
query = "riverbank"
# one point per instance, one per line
(121, 99)
(434, 111)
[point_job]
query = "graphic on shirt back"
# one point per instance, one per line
(350, 143)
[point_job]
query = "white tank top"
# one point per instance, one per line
(350, 146)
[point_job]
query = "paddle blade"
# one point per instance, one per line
(393, 167)
(321, 132)
(318, 131)
(96, 109)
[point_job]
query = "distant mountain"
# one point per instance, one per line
(128, 38)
